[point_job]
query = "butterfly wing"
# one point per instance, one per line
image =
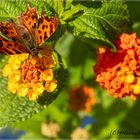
(10, 30)
(14, 46)
(30, 33)
(41, 29)
(29, 21)
(47, 26)
(10, 47)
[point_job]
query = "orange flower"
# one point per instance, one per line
(81, 98)
(31, 76)
(127, 41)
(119, 72)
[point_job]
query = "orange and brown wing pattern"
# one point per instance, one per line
(29, 33)
(29, 20)
(10, 30)
(47, 26)
(10, 47)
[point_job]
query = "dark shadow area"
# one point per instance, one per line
(79, 53)
(69, 125)
(134, 8)
(89, 3)
(131, 123)
(103, 117)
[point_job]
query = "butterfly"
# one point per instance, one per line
(27, 36)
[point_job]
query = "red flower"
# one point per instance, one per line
(119, 72)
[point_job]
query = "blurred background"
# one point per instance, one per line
(101, 114)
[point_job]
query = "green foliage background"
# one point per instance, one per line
(84, 25)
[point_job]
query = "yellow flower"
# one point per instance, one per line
(14, 62)
(14, 76)
(32, 95)
(27, 75)
(12, 59)
(23, 56)
(136, 89)
(47, 75)
(125, 75)
(130, 78)
(22, 90)
(6, 70)
(138, 81)
(51, 86)
(38, 88)
(12, 86)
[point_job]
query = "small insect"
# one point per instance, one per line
(27, 36)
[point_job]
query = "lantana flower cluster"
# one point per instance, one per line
(50, 129)
(119, 72)
(80, 134)
(30, 75)
(82, 98)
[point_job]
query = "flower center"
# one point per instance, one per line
(31, 71)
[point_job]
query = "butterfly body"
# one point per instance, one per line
(27, 36)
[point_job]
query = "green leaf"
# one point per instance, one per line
(69, 13)
(67, 4)
(103, 22)
(15, 108)
(54, 5)
(59, 6)
(11, 9)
